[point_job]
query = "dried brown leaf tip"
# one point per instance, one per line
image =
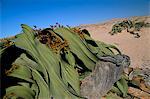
(79, 32)
(138, 93)
(9, 96)
(52, 40)
(144, 87)
(11, 70)
(9, 43)
(6, 42)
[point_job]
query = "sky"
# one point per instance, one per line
(43, 13)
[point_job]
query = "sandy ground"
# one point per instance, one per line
(137, 48)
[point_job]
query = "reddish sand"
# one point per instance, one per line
(137, 48)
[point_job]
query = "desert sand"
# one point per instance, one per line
(138, 49)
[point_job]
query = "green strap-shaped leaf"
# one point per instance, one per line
(22, 73)
(113, 47)
(104, 49)
(91, 44)
(44, 91)
(23, 60)
(27, 42)
(19, 92)
(112, 96)
(48, 62)
(70, 76)
(70, 58)
(77, 46)
(116, 90)
(123, 86)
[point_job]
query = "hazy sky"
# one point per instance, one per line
(42, 13)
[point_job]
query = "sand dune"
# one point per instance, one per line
(137, 48)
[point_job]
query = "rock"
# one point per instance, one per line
(102, 78)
